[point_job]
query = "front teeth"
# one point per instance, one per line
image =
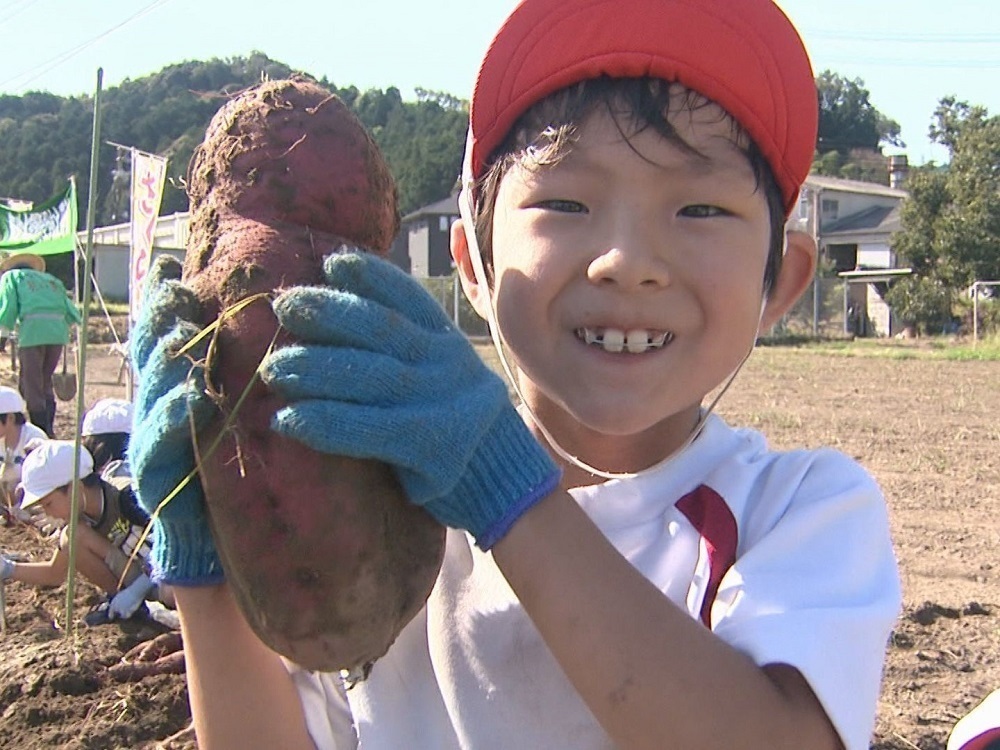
(636, 341)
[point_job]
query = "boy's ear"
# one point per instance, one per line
(477, 295)
(798, 267)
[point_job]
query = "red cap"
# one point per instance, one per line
(744, 55)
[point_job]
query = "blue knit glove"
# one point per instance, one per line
(160, 452)
(382, 373)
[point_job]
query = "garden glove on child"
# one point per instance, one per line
(171, 398)
(125, 603)
(380, 372)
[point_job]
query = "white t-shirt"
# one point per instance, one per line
(786, 556)
(979, 728)
(13, 456)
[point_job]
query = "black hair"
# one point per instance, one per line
(544, 133)
(106, 447)
(18, 418)
(93, 479)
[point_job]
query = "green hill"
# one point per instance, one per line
(46, 138)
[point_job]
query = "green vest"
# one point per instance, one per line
(38, 304)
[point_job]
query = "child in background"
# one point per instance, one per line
(39, 306)
(624, 569)
(110, 527)
(17, 434)
(105, 433)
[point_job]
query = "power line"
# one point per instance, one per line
(903, 37)
(10, 11)
(42, 68)
(911, 62)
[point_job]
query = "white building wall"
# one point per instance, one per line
(878, 313)
(420, 250)
(874, 255)
(111, 269)
(111, 251)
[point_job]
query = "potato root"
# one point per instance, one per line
(326, 557)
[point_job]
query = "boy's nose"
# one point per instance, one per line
(636, 266)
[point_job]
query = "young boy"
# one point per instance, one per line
(110, 528)
(666, 581)
(16, 433)
(105, 432)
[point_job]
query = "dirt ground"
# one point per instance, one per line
(69, 687)
(927, 430)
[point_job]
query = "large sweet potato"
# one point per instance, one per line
(326, 557)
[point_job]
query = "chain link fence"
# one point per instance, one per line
(447, 290)
(821, 312)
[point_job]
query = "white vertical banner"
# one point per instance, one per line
(148, 175)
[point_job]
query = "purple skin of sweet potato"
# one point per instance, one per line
(326, 557)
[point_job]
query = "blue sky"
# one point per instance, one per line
(909, 53)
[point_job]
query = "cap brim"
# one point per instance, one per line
(31, 260)
(28, 499)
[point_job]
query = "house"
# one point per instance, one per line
(853, 223)
(423, 245)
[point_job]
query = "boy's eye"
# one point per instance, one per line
(562, 206)
(702, 211)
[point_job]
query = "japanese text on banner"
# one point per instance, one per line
(148, 175)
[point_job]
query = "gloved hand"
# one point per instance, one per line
(382, 373)
(171, 395)
(124, 604)
(6, 567)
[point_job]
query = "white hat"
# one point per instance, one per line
(11, 401)
(108, 415)
(49, 467)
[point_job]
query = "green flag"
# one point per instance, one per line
(46, 229)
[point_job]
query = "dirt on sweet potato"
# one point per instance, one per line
(326, 557)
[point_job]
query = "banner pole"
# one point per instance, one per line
(129, 382)
(77, 285)
(81, 358)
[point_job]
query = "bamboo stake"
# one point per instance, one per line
(81, 357)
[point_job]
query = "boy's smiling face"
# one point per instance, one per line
(629, 281)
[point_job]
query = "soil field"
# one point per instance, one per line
(927, 429)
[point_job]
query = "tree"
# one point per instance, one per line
(920, 215)
(46, 138)
(951, 220)
(848, 119)
(852, 131)
(951, 117)
(422, 142)
(921, 302)
(969, 227)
